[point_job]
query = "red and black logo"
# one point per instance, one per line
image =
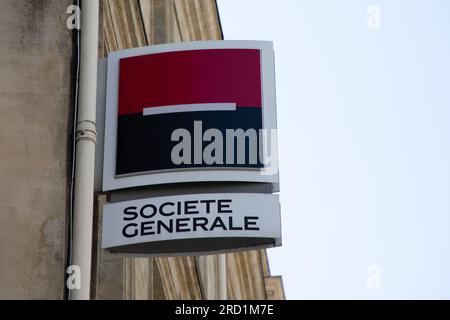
(162, 92)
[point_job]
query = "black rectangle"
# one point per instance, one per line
(144, 142)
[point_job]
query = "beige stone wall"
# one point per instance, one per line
(136, 23)
(35, 107)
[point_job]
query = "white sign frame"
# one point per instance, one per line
(113, 182)
(264, 206)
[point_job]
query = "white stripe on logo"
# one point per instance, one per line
(190, 108)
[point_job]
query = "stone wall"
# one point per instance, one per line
(35, 125)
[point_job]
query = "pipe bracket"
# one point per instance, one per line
(86, 130)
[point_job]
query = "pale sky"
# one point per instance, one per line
(364, 120)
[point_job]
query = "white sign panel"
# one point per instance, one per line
(191, 112)
(192, 223)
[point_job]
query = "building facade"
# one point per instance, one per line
(37, 98)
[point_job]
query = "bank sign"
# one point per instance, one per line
(192, 223)
(193, 112)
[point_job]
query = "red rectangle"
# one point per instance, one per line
(190, 77)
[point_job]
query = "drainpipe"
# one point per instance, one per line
(85, 140)
(222, 276)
